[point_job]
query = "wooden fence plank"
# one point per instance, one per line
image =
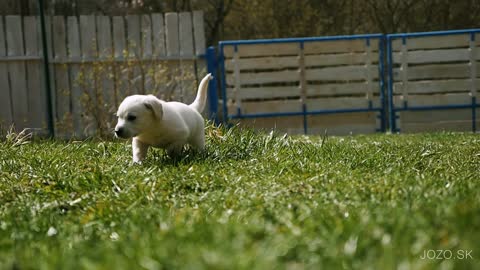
(434, 56)
(430, 72)
(236, 82)
(436, 116)
(76, 76)
(134, 52)
(89, 39)
(133, 36)
(146, 35)
(322, 90)
(338, 46)
(473, 54)
(172, 69)
(266, 92)
(435, 100)
(301, 72)
(188, 89)
(158, 32)
(199, 32)
(199, 44)
(37, 97)
(265, 77)
(172, 35)
(59, 35)
(270, 106)
(187, 68)
(122, 81)
(345, 73)
(6, 118)
(437, 86)
(17, 72)
(404, 72)
(185, 34)
(334, 103)
(341, 59)
(269, 62)
(368, 74)
(89, 50)
(148, 67)
(339, 89)
(63, 117)
(433, 42)
(106, 78)
(119, 37)
(159, 50)
(104, 37)
(251, 50)
(281, 62)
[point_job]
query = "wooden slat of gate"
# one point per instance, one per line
(17, 72)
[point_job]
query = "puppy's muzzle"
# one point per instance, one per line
(120, 132)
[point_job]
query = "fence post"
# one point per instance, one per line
(391, 108)
(212, 86)
(383, 106)
(46, 69)
(473, 78)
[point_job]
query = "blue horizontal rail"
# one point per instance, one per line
(434, 33)
(433, 108)
(316, 112)
(295, 40)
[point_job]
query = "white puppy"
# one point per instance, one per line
(169, 125)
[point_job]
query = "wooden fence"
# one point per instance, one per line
(434, 78)
(95, 61)
(309, 85)
(305, 85)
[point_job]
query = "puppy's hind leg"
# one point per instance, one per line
(139, 150)
(198, 142)
(174, 150)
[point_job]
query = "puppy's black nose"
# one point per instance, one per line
(119, 132)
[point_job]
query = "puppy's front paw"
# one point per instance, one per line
(136, 161)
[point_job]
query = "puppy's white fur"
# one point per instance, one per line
(169, 125)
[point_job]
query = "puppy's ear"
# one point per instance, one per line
(154, 105)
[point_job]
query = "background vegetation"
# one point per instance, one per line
(248, 19)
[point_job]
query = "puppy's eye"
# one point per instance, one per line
(131, 118)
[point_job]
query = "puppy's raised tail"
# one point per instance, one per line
(199, 102)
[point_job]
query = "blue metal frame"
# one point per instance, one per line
(212, 65)
(305, 112)
(391, 106)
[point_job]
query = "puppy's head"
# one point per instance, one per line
(136, 115)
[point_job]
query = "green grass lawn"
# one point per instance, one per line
(250, 201)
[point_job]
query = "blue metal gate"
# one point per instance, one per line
(432, 79)
(302, 77)
(429, 74)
